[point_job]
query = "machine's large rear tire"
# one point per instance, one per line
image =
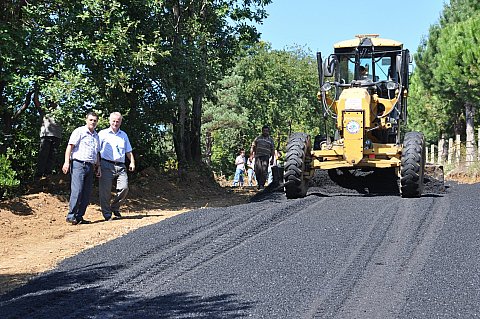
(412, 165)
(297, 161)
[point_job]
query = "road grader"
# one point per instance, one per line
(364, 88)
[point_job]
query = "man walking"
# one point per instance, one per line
(114, 147)
(263, 149)
(81, 159)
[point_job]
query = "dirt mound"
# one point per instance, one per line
(462, 175)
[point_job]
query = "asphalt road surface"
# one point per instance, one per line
(337, 256)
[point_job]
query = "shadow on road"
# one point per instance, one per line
(86, 292)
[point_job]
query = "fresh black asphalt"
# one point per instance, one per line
(323, 256)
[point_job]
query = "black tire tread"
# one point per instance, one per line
(412, 165)
(298, 154)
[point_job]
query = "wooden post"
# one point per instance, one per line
(458, 143)
(470, 131)
(478, 145)
(450, 150)
(432, 154)
(441, 145)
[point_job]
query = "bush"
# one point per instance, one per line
(8, 182)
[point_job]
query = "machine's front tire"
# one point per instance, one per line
(412, 165)
(297, 161)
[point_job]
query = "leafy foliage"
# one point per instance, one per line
(266, 87)
(153, 61)
(445, 80)
(8, 179)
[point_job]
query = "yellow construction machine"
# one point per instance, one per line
(364, 88)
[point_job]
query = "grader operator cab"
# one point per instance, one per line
(364, 88)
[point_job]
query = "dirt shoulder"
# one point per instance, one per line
(34, 236)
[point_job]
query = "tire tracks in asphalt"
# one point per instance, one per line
(209, 243)
(162, 265)
(375, 281)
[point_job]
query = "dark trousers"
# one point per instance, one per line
(81, 189)
(46, 155)
(261, 169)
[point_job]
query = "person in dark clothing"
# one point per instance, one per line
(50, 137)
(263, 149)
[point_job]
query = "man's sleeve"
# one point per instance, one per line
(128, 146)
(74, 137)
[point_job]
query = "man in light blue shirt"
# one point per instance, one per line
(81, 160)
(114, 148)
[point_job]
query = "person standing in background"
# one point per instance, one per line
(263, 149)
(82, 160)
(240, 168)
(114, 148)
(250, 169)
(50, 137)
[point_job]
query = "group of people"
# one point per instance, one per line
(240, 163)
(259, 164)
(103, 154)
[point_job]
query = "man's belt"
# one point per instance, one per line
(112, 162)
(83, 162)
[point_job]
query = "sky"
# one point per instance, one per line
(316, 25)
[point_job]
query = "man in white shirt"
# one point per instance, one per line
(240, 168)
(114, 148)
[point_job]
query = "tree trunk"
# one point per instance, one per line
(208, 148)
(5, 119)
(179, 132)
(196, 128)
(470, 131)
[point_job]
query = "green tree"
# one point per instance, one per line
(447, 69)
(225, 124)
(204, 37)
(266, 86)
(279, 89)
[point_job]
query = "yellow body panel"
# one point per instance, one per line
(380, 156)
(354, 99)
(378, 42)
(353, 123)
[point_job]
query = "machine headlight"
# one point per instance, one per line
(353, 127)
(392, 85)
(326, 86)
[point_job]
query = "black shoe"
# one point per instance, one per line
(108, 217)
(80, 221)
(117, 214)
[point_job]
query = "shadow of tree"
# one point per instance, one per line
(19, 207)
(88, 292)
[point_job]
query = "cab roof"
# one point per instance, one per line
(376, 41)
